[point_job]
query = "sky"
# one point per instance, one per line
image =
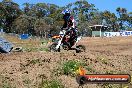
(102, 5)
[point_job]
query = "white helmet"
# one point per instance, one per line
(66, 11)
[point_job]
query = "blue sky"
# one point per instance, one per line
(102, 5)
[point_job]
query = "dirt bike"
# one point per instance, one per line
(66, 40)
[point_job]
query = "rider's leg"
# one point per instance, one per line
(77, 37)
(75, 33)
(62, 33)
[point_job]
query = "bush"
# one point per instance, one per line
(70, 67)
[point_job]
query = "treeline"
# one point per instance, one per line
(43, 18)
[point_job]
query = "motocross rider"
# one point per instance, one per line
(69, 23)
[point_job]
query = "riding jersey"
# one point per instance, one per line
(69, 21)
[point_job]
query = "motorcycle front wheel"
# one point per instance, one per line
(53, 48)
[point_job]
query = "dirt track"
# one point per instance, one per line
(103, 55)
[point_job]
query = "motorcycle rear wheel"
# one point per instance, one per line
(80, 48)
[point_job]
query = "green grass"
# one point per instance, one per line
(5, 83)
(69, 67)
(31, 49)
(33, 62)
(50, 84)
(110, 72)
(103, 59)
(90, 69)
(30, 62)
(27, 82)
(44, 41)
(44, 49)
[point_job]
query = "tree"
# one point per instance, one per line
(42, 17)
(52, 8)
(122, 16)
(84, 29)
(26, 24)
(111, 19)
(129, 19)
(69, 6)
(41, 28)
(9, 12)
(26, 8)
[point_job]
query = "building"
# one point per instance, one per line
(98, 30)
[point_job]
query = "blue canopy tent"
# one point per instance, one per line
(24, 36)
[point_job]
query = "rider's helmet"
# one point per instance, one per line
(66, 14)
(66, 11)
